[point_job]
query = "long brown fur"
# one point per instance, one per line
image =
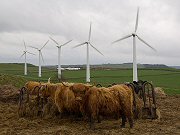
(117, 100)
(100, 101)
(65, 100)
(126, 98)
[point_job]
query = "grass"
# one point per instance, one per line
(169, 79)
(13, 80)
(170, 91)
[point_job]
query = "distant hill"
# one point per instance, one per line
(129, 65)
(155, 66)
(13, 66)
(113, 66)
(116, 66)
(176, 67)
(19, 66)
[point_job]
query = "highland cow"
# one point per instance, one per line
(106, 102)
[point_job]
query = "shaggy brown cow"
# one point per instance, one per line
(48, 94)
(31, 85)
(48, 90)
(33, 88)
(79, 90)
(106, 102)
(62, 97)
(125, 98)
(65, 97)
(137, 102)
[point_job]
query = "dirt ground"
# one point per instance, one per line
(11, 124)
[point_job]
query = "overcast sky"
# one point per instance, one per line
(36, 20)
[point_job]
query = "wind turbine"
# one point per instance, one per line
(24, 54)
(40, 56)
(134, 35)
(88, 43)
(59, 54)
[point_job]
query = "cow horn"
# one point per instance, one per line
(64, 84)
(49, 80)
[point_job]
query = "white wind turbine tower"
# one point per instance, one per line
(40, 56)
(88, 43)
(59, 55)
(25, 58)
(134, 35)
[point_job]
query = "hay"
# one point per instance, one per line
(30, 109)
(50, 110)
(9, 93)
(160, 93)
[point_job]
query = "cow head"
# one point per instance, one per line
(79, 90)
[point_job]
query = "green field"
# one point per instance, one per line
(168, 79)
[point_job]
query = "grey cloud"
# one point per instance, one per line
(36, 20)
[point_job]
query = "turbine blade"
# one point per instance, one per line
(54, 40)
(42, 56)
(121, 39)
(24, 45)
(22, 54)
(96, 49)
(80, 44)
(34, 47)
(44, 45)
(145, 43)
(137, 17)
(30, 53)
(90, 32)
(66, 43)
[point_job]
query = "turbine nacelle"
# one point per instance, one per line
(25, 51)
(134, 34)
(39, 50)
(58, 45)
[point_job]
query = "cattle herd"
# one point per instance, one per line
(89, 102)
